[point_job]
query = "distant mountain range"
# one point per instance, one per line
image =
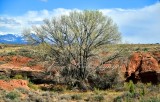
(12, 39)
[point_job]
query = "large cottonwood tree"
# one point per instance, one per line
(74, 38)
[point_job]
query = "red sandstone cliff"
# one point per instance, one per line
(144, 67)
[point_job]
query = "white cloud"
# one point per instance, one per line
(15, 25)
(136, 25)
(44, 0)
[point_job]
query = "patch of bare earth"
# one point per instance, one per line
(18, 62)
(14, 83)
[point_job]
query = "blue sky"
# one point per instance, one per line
(138, 20)
(19, 7)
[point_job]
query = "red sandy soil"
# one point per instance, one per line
(14, 83)
(18, 62)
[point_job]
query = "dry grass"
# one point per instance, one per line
(151, 91)
(9, 49)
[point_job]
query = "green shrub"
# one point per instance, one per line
(76, 97)
(127, 97)
(12, 95)
(32, 86)
(25, 53)
(23, 90)
(155, 99)
(31, 63)
(118, 99)
(131, 87)
(105, 81)
(58, 88)
(145, 49)
(4, 77)
(96, 91)
(152, 99)
(11, 53)
(99, 97)
(24, 50)
(137, 49)
(119, 87)
(142, 92)
(149, 84)
(18, 76)
(65, 97)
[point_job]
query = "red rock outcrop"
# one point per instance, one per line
(134, 64)
(143, 67)
(18, 65)
(149, 63)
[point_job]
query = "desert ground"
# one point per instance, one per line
(24, 77)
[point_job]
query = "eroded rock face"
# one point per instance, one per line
(37, 77)
(143, 67)
(156, 55)
(149, 63)
(134, 64)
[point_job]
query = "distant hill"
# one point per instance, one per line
(12, 39)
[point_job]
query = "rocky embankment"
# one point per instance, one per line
(144, 67)
(18, 65)
(141, 66)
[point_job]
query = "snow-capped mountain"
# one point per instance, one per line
(12, 39)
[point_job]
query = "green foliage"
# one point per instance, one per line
(76, 97)
(119, 87)
(152, 99)
(106, 81)
(12, 95)
(139, 93)
(99, 97)
(74, 39)
(23, 90)
(58, 88)
(32, 86)
(11, 53)
(96, 90)
(25, 53)
(145, 49)
(155, 99)
(127, 97)
(137, 49)
(142, 92)
(149, 84)
(18, 76)
(31, 63)
(4, 77)
(131, 87)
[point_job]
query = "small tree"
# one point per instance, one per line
(75, 38)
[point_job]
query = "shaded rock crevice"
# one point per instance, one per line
(37, 77)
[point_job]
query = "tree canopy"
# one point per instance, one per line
(74, 38)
